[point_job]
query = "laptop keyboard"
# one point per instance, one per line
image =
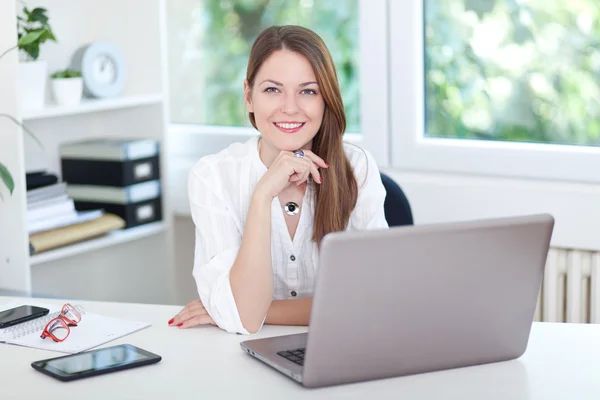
(296, 355)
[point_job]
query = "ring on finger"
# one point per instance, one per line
(299, 153)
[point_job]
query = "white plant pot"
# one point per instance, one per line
(67, 91)
(32, 83)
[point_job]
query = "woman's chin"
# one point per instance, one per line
(289, 142)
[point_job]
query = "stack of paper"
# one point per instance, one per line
(53, 221)
(50, 207)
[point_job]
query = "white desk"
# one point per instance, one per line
(561, 362)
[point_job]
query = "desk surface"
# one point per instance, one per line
(562, 362)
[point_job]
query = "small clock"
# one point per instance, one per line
(102, 69)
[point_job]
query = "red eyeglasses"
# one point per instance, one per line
(57, 328)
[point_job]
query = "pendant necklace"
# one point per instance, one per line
(291, 208)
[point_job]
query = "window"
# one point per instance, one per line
(209, 42)
(496, 87)
(513, 70)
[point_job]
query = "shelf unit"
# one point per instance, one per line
(126, 265)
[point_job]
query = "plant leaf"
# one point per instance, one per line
(47, 35)
(38, 15)
(34, 50)
(31, 37)
(7, 178)
(50, 34)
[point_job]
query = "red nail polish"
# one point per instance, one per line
(327, 165)
(171, 321)
(320, 180)
(180, 324)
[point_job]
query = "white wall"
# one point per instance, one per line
(184, 259)
(137, 272)
(437, 197)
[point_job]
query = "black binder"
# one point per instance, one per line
(110, 173)
(134, 214)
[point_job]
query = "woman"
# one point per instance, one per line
(262, 207)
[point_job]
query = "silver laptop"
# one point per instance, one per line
(416, 299)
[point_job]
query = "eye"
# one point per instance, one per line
(271, 89)
(309, 91)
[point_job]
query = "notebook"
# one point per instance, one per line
(93, 330)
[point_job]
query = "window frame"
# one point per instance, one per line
(411, 150)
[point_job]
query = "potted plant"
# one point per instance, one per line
(67, 86)
(33, 30)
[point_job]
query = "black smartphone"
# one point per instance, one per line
(96, 362)
(21, 314)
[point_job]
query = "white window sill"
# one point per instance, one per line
(200, 140)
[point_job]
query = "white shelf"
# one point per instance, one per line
(112, 238)
(91, 105)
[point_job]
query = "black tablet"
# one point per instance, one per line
(95, 362)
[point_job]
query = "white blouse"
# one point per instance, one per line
(220, 188)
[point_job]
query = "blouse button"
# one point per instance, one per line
(294, 293)
(293, 257)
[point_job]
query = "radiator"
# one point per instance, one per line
(570, 290)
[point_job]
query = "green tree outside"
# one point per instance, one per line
(526, 71)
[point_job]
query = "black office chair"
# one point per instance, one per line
(396, 206)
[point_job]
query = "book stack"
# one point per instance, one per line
(52, 219)
(120, 176)
(49, 207)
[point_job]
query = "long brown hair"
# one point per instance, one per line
(336, 196)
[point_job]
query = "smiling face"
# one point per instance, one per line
(286, 101)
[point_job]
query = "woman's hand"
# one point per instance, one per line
(287, 169)
(192, 314)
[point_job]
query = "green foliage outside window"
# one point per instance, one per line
(513, 70)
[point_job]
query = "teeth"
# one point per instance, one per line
(288, 126)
